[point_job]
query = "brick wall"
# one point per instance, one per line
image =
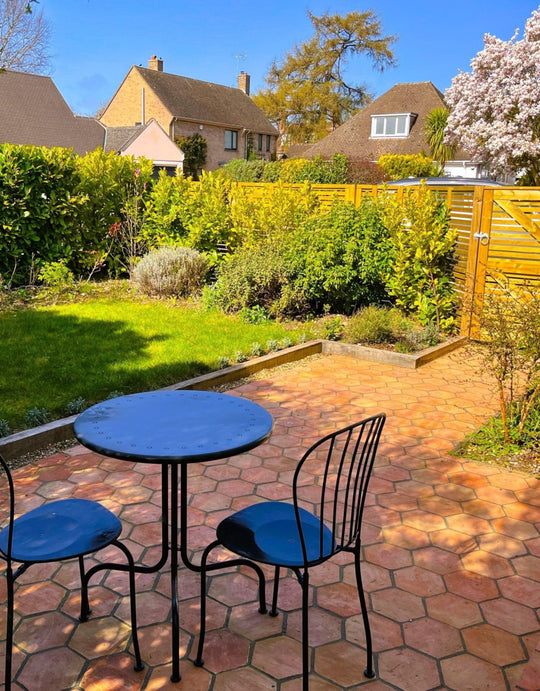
(217, 155)
(125, 110)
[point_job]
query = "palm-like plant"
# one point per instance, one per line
(434, 131)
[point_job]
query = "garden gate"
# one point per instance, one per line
(503, 250)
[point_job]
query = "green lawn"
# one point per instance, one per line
(52, 355)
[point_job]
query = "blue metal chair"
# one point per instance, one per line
(64, 529)
(329, 491)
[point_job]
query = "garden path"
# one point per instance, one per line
(451, 547)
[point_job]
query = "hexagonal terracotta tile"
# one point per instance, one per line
(280, 656)
(408, 669)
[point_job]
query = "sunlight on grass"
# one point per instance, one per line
(52, 355)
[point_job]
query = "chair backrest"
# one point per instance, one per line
(11, 503)
(331, 481)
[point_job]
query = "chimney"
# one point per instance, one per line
(155, 64)
(243, 82)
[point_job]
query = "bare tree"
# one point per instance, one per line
(24, 37)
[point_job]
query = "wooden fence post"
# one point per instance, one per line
(475, 279)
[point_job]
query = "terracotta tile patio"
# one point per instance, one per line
(452, 553)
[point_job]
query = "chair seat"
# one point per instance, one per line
(268, 533)
(61, 530)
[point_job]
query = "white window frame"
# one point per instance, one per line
(390, 125)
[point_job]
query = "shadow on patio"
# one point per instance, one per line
(451, 553)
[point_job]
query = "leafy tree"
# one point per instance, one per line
(307, 93)
(194, 149)
(435, 127)
(24, 37)
(495, 109)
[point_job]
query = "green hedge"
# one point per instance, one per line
(39, 205)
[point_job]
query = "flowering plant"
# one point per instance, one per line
(495, 108)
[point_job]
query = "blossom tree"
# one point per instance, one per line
(495, 108)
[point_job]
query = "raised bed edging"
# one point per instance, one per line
(58, 431)
(390, 357)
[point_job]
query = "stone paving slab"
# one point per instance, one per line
(451, 553)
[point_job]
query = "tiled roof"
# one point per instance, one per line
(118, 138)
(205, 102)
(353, 138)
(32, 111)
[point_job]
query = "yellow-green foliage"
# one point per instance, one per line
(271, 213)
(423, 247)
(194, 214)
(397, 166)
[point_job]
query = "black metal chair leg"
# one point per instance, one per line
(305, 630)
(9, 628)
(199, 661)
(368, 672)
(85, 605)
(273, 611)
(133, 605)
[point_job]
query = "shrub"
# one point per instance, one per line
(37, 416)
(360, 172)
(256, 350)
(511, 328)
(39, 204)
(332, 328)
(253, 315)
(5, 429)
(397, 166)
(273, 215)
(252, 280)
(342, 257)
(110, 188)
(241, 170)
(76, 406)
(171, 272)
(372, 325)
(196, 215)
(376, 325)
(195, 149)
(423, 248)
(57, 279)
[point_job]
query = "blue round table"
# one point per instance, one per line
(173, 428)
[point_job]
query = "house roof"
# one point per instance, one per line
(205, 102)
(119, 138)
(32, 111)
(353, 138)
(149, 140)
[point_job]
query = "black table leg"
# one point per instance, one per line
(175, 676)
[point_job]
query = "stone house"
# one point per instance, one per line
(226, 117)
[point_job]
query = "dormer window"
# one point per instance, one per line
(392, 125)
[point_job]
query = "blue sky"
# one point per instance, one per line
(95, 42)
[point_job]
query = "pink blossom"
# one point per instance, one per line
(495, 108)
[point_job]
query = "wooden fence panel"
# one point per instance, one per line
(498, 236)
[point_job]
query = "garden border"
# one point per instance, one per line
(32, 440)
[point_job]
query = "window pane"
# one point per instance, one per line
(231, 139)
(268, 141)
(391, 125)
(401, 125)
(379, 125)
